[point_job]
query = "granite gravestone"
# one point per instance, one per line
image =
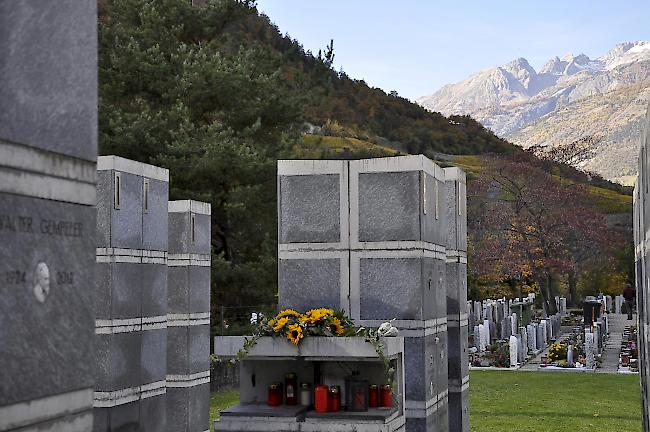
(48, 150)
(188, 317)
(131, 286)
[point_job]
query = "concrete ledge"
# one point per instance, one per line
(37, 173)
(44, 409)
(397, 164)
(190, 206)
(116, 163)
(268, 348)
(455, 174)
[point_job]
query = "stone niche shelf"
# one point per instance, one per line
(332, 359)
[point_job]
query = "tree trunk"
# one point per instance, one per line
(546, 291)
(552, 310)
(573, 289)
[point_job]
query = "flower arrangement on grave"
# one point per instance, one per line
(558, 352)
(324, 322)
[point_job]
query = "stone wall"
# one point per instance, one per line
(48, 148)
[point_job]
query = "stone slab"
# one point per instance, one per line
(304, 284)
(155, 217)
(417, 278)
(188, 349)
(47, 268)
(309, 208)
(118, 360)
(118, 290)
(459, 411)
(153, 414)
(48, 98)
(154, 289)
(389, 206)
(181, 239)
(153, 355)
(456, 285)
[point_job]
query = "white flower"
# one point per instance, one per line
(254, 318)
(391, 332)
(387, 329)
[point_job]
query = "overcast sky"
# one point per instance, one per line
(417, 46)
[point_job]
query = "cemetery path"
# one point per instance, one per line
(617, 323)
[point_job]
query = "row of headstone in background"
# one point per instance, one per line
(153, 285)
(48, 150)
(370, 237)
(641, 220)
(534, 337)
(619, 300)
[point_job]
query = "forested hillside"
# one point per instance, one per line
(217, 94)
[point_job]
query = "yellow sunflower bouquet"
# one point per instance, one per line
(315, 322)
(295, 326)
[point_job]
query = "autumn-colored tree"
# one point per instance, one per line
(528, 224)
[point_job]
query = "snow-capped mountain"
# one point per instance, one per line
(591, 109)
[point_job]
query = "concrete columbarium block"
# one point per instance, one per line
(188, 303)
(48, 151)
(351, 232)
(130, 195)
(313, 204)
(396, 202)
(131, 327)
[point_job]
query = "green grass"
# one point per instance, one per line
(220, 401)
(609, 201)
(313, 146)
(503, 401)
(553, 402)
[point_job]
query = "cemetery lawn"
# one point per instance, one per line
(503, 401)
(554, 402)
(220, 401)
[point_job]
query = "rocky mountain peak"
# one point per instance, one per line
(570, 98)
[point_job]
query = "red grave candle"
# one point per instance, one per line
(321, 396)
(373, 396)
(334, 403)
(386, 396)
(275, 395)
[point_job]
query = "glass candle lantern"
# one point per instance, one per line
(291, 389)
(334, 401)
(386, 396)
(356, 394)
(373, 396)
(275, 395)
(305, 394)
